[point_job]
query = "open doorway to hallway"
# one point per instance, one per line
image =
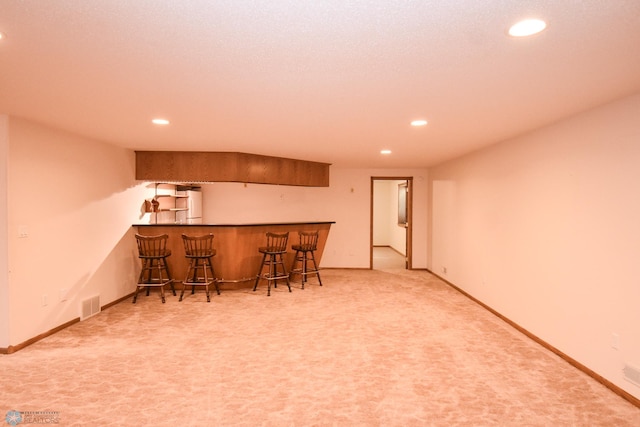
(391, 222)
(387, 258)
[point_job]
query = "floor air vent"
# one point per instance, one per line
(631, 373)
(90, 307)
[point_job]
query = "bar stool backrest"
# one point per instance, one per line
(277, 242)
(308, 240)
(152, 246)
(198, 246)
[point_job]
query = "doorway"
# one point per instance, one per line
(391, 222)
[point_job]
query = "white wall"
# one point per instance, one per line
(347, 201)
(77, 199)
(545, 229)
(381, 213)
(4, 247)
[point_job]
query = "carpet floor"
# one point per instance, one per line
(369, 348)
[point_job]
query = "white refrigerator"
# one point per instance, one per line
(191, 203)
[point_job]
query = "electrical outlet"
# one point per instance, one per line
(63, 294)
(45, 300)
(23, 231)
(444, 270)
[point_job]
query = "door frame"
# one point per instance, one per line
(409, 228)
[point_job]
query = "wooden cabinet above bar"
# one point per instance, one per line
(199, 166)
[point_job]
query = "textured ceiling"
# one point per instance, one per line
(333, 81)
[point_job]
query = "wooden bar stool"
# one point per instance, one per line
(273, 260)
(153, 252)
(199, 251)
(305, 252)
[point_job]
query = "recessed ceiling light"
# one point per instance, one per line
(385, 151)
(527, 27)
(2, 36)
(419, 122)
(160, 121)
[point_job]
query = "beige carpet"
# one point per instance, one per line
(370, 348)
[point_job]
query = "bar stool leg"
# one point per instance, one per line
(284, 272)
(255, 286)
(205, 265)
(162, 293)
(141, 279)
(292, 271)
(150, 273)
(159, 266)
(166, 267)
(213, 276)
(184, 283)
(271, 274)
(195, 274)
(315, 267)
(305, 259)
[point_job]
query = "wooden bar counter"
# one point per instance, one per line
(237, 258)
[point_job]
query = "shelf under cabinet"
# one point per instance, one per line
(173, 210)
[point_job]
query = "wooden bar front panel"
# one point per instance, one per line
(237, 258)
